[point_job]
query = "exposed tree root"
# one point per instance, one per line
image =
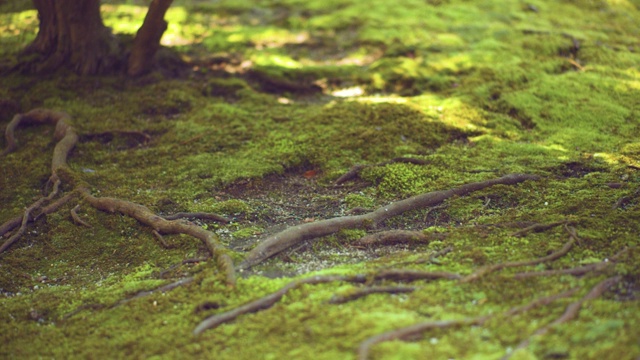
(570, 313)
(296, 234)
(341, 299)
(76, 218)
(412, 331)
(576, 271)
(159, 224)
(66, 138)
(573, 237)
(267, 301)
(198, 215)
(162, 289)
(45, 210)
(538, 228)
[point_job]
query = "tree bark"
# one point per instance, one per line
(71, 33)
(147, 41)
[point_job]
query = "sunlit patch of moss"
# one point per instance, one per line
(498, 71)
(16, 29)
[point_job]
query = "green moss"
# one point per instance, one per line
(358, 200)
(476, 89)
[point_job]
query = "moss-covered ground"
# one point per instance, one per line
(278, 100)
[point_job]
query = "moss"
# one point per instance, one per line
(358, 200)
(477, 89)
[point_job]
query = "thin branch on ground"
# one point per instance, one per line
(359, 293)
(296, 234)
(412, 331)
(570, 313)
(553, 256)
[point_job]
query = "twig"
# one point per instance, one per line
(296, 234)
(570, 312)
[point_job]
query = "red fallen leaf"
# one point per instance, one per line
(310, 174)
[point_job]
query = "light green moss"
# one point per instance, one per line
(477, 89)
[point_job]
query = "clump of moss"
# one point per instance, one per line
(247, 232)
(399, 179)
(351, 234)
(358, 200)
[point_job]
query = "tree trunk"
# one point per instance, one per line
(72, 34)
(147, 41)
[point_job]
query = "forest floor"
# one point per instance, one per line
(256, 112)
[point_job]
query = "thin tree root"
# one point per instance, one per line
(162, 289)
(161, 239)
(76, 218)
(296, 234)
(576, 271)
(67, 138)
(570, 313)
(198, 215)
(412, 331)
(48, 209)
(267, 301)
(539, 228)
(553, 256)
(341, 299)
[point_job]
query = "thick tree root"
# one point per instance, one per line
(296, 234)
(163, 226)
(66, 138)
